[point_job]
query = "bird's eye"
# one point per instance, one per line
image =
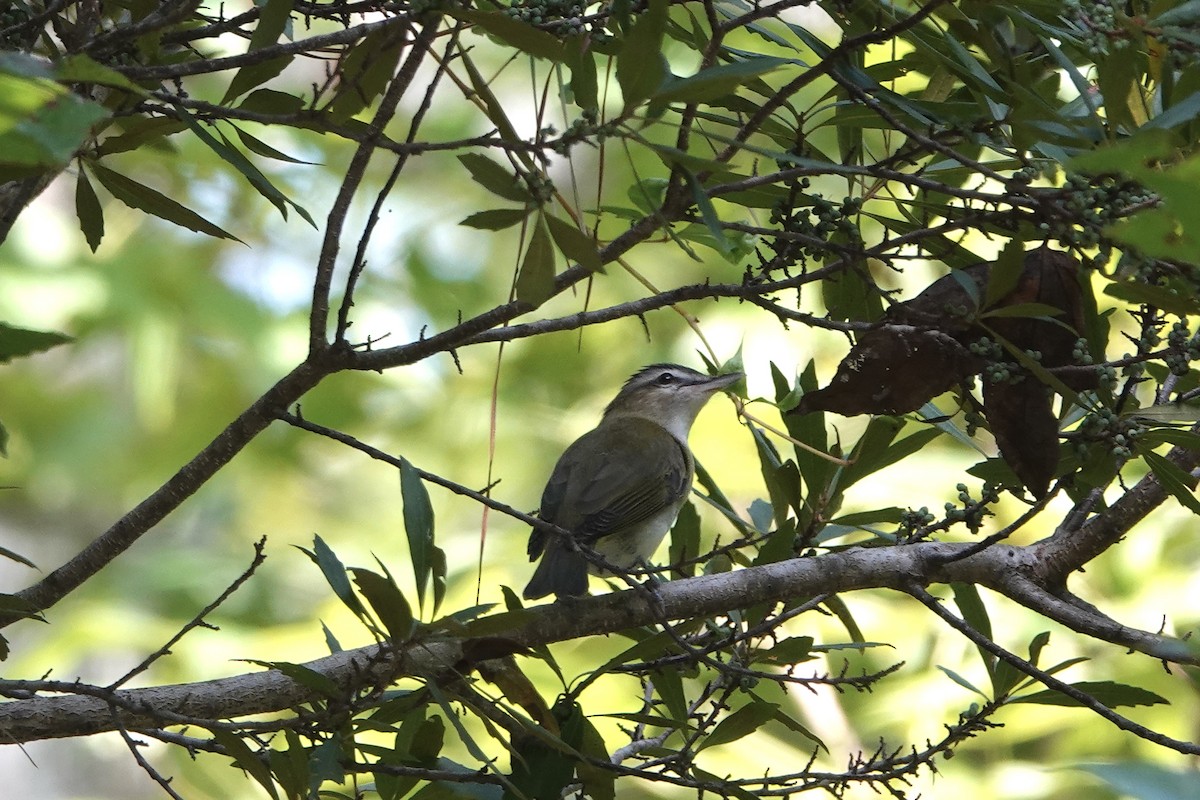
(666, 379)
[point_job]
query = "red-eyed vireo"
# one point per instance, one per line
(618, 488)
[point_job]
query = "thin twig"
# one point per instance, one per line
(198, 620)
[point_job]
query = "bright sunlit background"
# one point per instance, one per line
(177, 333)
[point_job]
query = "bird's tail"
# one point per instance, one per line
(561, 571)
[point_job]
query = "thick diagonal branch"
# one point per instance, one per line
(1007, 569)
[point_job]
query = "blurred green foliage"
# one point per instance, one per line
(174, 333)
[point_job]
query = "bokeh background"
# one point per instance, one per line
(176, 333)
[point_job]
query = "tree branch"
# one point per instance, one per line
(1004, 568)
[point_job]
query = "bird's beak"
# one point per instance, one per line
(719, 382)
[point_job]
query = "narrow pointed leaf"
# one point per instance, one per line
(88, 210)
(1175, 480)
(741, 723)
(641, 67)
(496, 219)
(387, 601)
(335, 574)
(418, 526)
(155, 203)
(1110, 693)
(517, 34)
(714, 82)
(535, 281)
(272, 22)
(17, 342)
(495, 178)
(576, 245)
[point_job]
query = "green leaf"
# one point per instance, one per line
(1170, 412)
(793, 650)
(597, 783)
(273, 20)
(740, 724)
(418, 526)
(335, 574)
(141, 132)
(535, 281)
(1174, 479)
(1005, 272)
(669, 687)
(365, 72)
(1109, 693)
(437, 563)
(1174, 436)
(387, 601)
(14, 556)
(648, 194)
(1168, 297)
(1138, 780)
(17, 342)
(714, 82)
(575, 245)
(79, 68)
(495, 178)
(970, 605)
(641, 68)
(870, 451)
(41, 123)
(685, 541)
(232, 156)
(1184, 14)
(1134, 156)
(842, 611)
(584, 83)
(244, 757)
(1041, 310)
(259, 147)
(1036, 645)
(648, 648)
(305, 676)
(792, 724)
(708, 212)
(496, 219)
(495, 110)
(516, 34)
(270, 101)
(88, 210)
(961, 681)
(1117, 78)
(143, 198)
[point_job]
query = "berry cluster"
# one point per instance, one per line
(972, 512)
(998, 369)
(1097, 28)
(913, 523)
(1184, 348)
(1106, 426)
(560, 17)
(583, 129)
(820, 219)
(1084, 207)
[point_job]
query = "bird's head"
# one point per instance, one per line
(669, 394)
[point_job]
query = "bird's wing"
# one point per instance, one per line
(640, 470)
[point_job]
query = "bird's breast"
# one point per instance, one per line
(637, 543)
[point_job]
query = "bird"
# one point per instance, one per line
(618, 488)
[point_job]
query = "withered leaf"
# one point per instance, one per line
(1026, 430)
(923, 350)
(893, 371)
